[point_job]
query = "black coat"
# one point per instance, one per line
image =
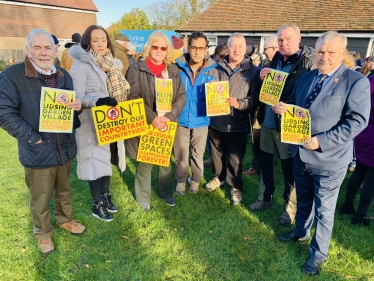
(20, 91)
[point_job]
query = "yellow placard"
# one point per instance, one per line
(54, 115)
(217, 94)
(272, 87)
(164, 94)
(296, 125)
(124, 121)
(156, 146)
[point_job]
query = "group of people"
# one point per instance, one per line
(337, 99)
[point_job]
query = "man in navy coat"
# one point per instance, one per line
(338, 101)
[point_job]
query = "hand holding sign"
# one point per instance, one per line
(279, 108)
(233, 102)
(311, 143)
(75, 105)
(264, 72)
(106, 101)
(159, 122)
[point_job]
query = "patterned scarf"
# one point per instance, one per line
(118, 87)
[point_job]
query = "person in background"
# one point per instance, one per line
(57, 45)
(196, 69)
(255, 59)
(97, 79)
(132, 55)
(228, 133)
(363, 173)
(178, 44)
(157, 54)
(120, 51)
(66, 60)
(337, 99)
(47, 157)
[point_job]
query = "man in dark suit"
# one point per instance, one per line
(338, 101)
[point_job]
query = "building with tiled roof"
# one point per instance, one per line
(260, 19)
(59, 17)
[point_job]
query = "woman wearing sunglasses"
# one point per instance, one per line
(157, 54)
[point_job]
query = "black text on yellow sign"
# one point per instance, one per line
(126, 120)
(296, 126)
(216, 95)
(272, 87)
(164, 94)
(55, 116)
(156, 146)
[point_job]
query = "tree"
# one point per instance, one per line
(170, 14)
(136, 19)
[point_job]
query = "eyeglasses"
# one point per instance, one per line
(157, 47)
(194, 48)
(270, 47)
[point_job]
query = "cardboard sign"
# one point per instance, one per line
(54, 116)
(272, 87)
(124, 121)
(217, 94)
(296, 125)
(156, 146)
(164, 94)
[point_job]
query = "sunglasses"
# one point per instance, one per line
(157, 47)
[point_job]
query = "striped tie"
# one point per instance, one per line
(314, 93)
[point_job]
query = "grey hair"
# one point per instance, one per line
(271, 41)
(37, 31)
(329, 35)
(289, 25)
(236, 35)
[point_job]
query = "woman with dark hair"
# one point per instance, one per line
(97, 80)
(363, 173)
(157, 54)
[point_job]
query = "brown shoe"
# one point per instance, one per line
(250, 172)
(46, 246)
(73, 227)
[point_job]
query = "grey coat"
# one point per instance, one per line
(89, 81)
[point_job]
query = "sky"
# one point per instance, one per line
(112, 10)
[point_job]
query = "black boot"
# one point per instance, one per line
(360, 219)
(108, 203)
(99, 211)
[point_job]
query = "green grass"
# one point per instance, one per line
(202, 238)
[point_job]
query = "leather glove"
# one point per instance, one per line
(106, 101)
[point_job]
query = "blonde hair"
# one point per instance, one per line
(349, 60)
(156, 36)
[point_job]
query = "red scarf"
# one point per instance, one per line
(155, 69)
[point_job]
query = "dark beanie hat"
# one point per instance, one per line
(177, 42)
(55, 40)
(121, 37)
(76, 37)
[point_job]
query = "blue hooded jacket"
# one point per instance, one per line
(194, 112)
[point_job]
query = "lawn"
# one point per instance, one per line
(202, 238)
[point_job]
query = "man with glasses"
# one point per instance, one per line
(228, 133)
(196, 69)
(270, 48)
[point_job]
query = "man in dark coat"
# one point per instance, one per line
(47, 157)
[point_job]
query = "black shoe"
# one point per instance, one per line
(311, 267)
(290, 236)
(99, 211)
(360, 219)
(108, 203)
(347, 209)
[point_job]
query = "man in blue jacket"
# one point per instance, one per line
(47, 157)
(197, 68)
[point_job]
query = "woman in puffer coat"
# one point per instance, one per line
(141, 76)
(97, 80)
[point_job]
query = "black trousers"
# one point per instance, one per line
(233, 145)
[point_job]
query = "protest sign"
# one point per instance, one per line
(296, 125)
(272, 86)
(216, 96)
(124, 121)
(156, 146)
(55, 116)
(164, 94)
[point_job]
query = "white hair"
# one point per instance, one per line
(329, 35)
(289, 25)
(236, 35)
(271, 41)
(38, 31)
